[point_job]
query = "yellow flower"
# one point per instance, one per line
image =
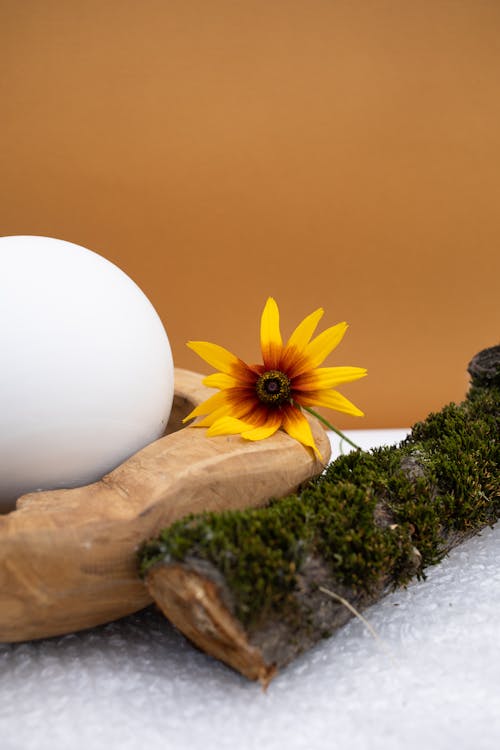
(256, 400)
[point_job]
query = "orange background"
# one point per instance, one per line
(335, 154)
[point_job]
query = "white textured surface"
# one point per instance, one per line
(433, 684)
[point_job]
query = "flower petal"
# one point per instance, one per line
(246, 374)
(272, 423)
(210, 404)
(220, 380)
(215, 355)
(322, 345)
(302, 334)
(270, 337)
(227, 426)
(260, 433)
(207, 421)
(327, 377)
(234, 402)
(332, 400)
(297, 426)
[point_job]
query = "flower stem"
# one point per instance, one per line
(331, 427)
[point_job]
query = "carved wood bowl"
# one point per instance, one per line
(68, 557)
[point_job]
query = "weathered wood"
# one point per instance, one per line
(68, 557)
(423, 498)
(192, 600)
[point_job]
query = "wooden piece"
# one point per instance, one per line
(448, 502)
(194, 597)
(194, 604)
(68, 557)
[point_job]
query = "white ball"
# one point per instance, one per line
(86, 372)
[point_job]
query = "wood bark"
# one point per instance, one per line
(68, 557)
(195, 596)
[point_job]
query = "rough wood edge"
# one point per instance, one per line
(259, 650)
(193, 604)
(68, 557)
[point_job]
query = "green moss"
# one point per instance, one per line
(257, 553)
(461, 492)
(441, 480)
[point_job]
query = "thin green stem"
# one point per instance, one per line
(331, 427)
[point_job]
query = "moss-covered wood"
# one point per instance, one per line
(246, 585)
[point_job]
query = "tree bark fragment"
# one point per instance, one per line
(442, 500)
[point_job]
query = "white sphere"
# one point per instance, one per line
(86, 372)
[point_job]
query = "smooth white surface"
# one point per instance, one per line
(365, 439)
(87, 374)
(432, 684)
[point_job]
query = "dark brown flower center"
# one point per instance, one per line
(273, 388)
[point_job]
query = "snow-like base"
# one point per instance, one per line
(431, 682)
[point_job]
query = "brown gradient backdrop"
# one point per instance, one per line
(342, 154)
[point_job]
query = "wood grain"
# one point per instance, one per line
(425, 496)
(68, 557)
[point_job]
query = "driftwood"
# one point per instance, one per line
(68, 557)
(371, 523)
